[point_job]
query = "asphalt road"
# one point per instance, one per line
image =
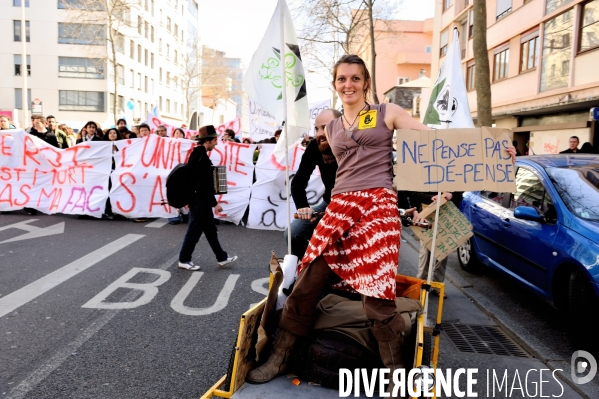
(69, 328)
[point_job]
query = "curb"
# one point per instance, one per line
(498, 316)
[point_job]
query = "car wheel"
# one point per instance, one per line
(467, 256)
(582, 304)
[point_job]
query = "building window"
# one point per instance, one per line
(18, 63)
(139, 25)
(168, 79)
(139, 53)
(556, 49)
(132, 49)
(146, 29)
(19, 99)
(175, 108)
(160, 76)
(152, 7)
(552, 5)
(118, 42)
(17, 31)
(152, 60)
(565, 68)
(402, 79)
(139, 81)
(529, 52)
(470, 73)
(427, 49)
(152, 86)
(77, 67)
(146, 57)
(501, 63)
(470, 23)
(446, 5)
(589, 28)
(168, 106)
(175, 57)
(160, 103)
(17, 3)
(504, 7)
(121, 103)
(78, 4)
(132, 81)
(168, 24)
(152, 35)
(176, 31)
(443, 43)
(90, 34)
(120, 74)
(72, 100)
(146, 84)
(168, 51)
(159, 46)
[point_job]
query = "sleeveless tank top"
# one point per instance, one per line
(365, 159)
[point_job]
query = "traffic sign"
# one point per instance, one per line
(595, 114)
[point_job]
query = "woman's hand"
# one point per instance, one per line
(512, 151)
(447, 196)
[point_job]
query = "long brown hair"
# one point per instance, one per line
(354, 59)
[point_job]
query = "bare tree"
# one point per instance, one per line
(192, 64)
(482, 77)
(92, 22)
(332, 27)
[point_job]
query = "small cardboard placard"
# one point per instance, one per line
(455, 160)
(453, 229)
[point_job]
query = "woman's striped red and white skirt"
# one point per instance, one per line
(359, 238)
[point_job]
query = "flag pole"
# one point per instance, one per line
(285, 138)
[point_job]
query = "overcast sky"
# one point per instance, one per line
(237, 26)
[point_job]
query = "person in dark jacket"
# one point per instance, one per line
(40, 131)
(318, 153)
(573, 146)
(93, 132)
(201, 217)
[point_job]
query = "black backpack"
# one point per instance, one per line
(179, 190)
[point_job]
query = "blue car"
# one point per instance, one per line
(545, 235)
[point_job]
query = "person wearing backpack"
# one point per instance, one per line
(201, 216)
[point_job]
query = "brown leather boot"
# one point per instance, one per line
(277, 362)
(391, 356)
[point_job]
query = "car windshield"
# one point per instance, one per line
(579, 189)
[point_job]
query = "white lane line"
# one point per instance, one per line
(158, 223)
(20, 297)
(40, 374)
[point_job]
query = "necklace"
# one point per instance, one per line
(350, 129)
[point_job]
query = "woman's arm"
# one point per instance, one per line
(397, 118)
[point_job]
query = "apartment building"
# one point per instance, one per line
(70, 62)
(403, 54)
(543, 55)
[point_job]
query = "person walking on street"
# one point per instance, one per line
(201, 216)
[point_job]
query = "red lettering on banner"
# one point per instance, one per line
(27, 153)
(162, 202)
(143, 152)
(238, 148)
(4, 148)
(58, 156)
(7, 174)
(75, 151)
(189, 152)
(277, 165)
(220, 154)
(9, 199)
(56, 192)
(123, 156)
(133, 199)
(25, 194)
(83, 167)
(19, 170)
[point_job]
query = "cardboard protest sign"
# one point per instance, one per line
(34, 174)
(453, 229)
(454, 160)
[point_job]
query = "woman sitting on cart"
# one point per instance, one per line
(357, 241)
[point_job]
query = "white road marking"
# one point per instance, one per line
(20, 297)
(37, 376)
(221, 301)
(32, 231)
(158, 223)
(261, 287)
(149, 290)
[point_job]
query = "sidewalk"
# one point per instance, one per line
(474, 337)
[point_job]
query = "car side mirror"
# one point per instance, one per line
(529, 213)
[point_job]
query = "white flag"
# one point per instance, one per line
(442, 113)
(263, 81)
(315, 110)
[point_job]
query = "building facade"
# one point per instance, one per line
(403, 52)
(542, 55)
(69, 55)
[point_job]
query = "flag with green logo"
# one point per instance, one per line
(448, 106)
(263, 81)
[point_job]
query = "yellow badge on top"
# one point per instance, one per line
(367, 120)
